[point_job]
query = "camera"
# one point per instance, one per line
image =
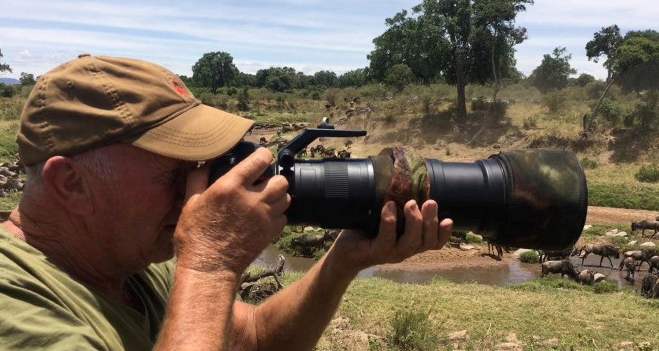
(530, 198)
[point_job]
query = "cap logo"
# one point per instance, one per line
(178, 88)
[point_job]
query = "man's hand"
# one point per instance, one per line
(227, 225)
(422, 232)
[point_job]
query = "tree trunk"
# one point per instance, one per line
(588, 120)
(497, 82)
(462, 101)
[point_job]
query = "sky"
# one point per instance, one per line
(308, 35)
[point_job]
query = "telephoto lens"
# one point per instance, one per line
(532, 198)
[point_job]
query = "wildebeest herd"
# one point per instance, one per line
(632, 261)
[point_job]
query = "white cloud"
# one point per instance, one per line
(309, 35)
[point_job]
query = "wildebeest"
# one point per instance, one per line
(315, 241)
(629, 264)
(639, 256)
(547, 255)
(495, 250)
(649, 287)
(601, 249)
(586, 277)
(654, 264)
(564, 267)
(646, 224)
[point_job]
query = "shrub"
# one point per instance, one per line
(412, 330)
(530, 122)
(555, 101)
(588, 163)
(529, 257)
(648, 174)
(473, 238)
(7, 90)
(604, 287)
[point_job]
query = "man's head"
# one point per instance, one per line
(95, 101)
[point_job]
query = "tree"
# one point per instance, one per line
(354, 78)
(27, 79)
(605, 42)
(277, 79)
(3, 66)
(398, 76)
(553, 72)
(460, 41)
(214, 70)
(326, 79)
(634, 66)
(637, 61)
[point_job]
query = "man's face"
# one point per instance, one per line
(139, 205)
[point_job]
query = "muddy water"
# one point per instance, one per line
(512, 273)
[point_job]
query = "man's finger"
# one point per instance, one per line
(196, 182)
(253, 166)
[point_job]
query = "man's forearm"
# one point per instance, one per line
(199, 311)
(295, 318)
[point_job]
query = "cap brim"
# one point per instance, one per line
(198, 134)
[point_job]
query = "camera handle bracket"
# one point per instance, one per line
(286, 156)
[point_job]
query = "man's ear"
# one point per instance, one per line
(66, 181)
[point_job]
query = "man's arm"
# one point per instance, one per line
(295, 318)
(221, 230)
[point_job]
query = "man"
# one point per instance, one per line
(114, 191)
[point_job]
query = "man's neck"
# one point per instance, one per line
(59, 250)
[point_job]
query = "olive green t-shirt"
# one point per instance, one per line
(43, 308)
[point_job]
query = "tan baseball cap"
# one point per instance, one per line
(94, 101)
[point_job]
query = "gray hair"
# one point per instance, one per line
(97, 161)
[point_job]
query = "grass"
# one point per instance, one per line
(541, 314)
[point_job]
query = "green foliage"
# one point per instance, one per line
(604, 43)
(605, 287)
(529, 257)
(472, 238)
(27, 79)
(553, 72)
(648, 174)
(214, 70)
(412, 331)
(398, 76)
(637, 60)
(7, 90)
(623, 196)
(243, 100)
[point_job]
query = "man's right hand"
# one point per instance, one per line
(227, 224)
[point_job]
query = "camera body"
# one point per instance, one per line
(533, 198)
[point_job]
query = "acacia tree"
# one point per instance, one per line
(214, 70)
(634, 65)
(3, 66)
(605, 43)
(460, 41)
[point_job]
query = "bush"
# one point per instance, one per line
(7, 90)
(473, 238)
(412, 330)
(530, 122)
(529, 257)
(648, 174)
(604, 287)
(555, 101)
(588, 163)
